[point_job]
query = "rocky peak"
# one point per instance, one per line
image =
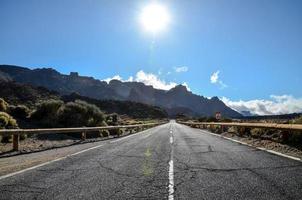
(179, 89)
(215, 98)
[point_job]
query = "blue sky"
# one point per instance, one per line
(245, 52)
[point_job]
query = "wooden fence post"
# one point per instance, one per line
(16, 142)
(223, 128)
(83, 135)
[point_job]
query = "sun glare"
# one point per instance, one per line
(154, 18)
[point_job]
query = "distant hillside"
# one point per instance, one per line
(17, 93)
(133, 109)
(176, 100)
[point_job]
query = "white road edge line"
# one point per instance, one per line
(260, 148)
(48, 162)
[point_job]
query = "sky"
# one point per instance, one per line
(248, 53)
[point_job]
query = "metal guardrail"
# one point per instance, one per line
(83, 130)
(297, 127)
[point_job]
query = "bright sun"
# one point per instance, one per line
(154, 18)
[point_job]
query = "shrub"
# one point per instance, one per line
(80, 113)
(8, 122)
(257, 132)
(232, 129)
(240, 131)
(19, 111)
(47, 113)
(116, 132)
(226, 120)
(3, 105)
(211, 119)
(202, 119)
(23, 136)
(295, 138)
(112, 119)
(214, 128)
(104, 133)
(298, 120)
(3, 120)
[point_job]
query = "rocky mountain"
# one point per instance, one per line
(25, 94)
(174, 101)
(18, 93)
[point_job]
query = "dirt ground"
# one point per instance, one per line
(268, 144)
(37, 143)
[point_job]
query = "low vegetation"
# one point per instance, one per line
(132, 109)
(3, 105)
(80, 113)
(297, 120)
(19, 111)
(26, 106)
(7, 122)
(292, 138)
(56, 113)
(213, 119)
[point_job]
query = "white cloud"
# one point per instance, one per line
(187, 86)
(130, 79)
(181, 69)
(283, 104)
(215, 80)
(214, 77)
(148, 79)
(152, 79)
(116, 77)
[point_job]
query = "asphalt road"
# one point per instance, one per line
(171, 161)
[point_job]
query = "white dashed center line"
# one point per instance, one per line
(171, 170)
(171, 180)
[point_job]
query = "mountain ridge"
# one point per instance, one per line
(177, 98)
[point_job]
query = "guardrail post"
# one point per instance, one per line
(285, 135)
(222, 128)
(83, 135)
(119, 132)
(16, 142)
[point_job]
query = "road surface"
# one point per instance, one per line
(171, 161)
